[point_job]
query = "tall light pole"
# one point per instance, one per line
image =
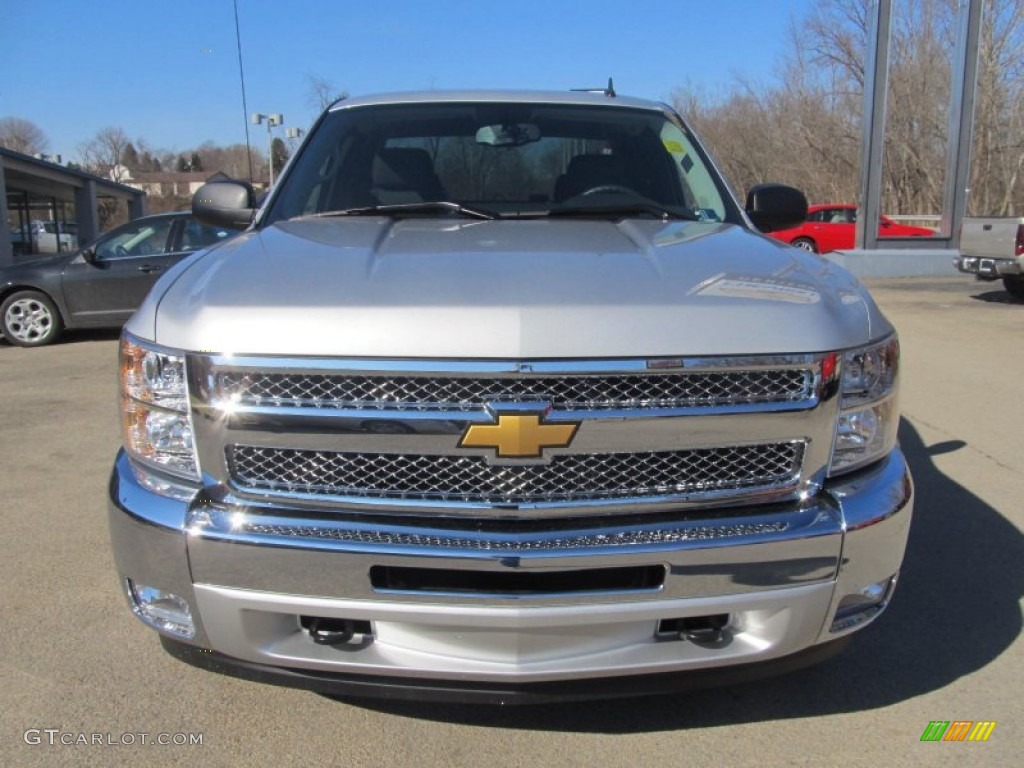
(273, 121)
(241, 76)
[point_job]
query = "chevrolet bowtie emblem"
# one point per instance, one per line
(518, 436)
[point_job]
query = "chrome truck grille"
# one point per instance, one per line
(566, 393)
(369, 436)
(470, 479)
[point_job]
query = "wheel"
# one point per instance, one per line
(30, 319)
(1014, 286)
(805, 244)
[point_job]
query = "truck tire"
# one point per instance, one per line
(1015, 287)
(30, 319)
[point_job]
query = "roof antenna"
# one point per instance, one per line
(608, 90)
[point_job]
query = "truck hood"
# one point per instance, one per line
(507, 289)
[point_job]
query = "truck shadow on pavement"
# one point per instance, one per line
(997, 297)
(955, 611)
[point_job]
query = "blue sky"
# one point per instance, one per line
(168, 71)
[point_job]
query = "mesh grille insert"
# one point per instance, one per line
(564, 392)
(469, 479)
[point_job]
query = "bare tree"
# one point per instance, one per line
(321, 93)
(806, 130)
(232, 160)
(997, 185)
(923, 37)
(22, 135)
(104, 153)
(111, 213)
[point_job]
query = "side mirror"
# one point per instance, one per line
(89, 254)
(774, 206)
(224, 204)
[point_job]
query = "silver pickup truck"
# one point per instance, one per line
(504, 397)
(992, 248)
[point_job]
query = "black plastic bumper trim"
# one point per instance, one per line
(485, 692)
(635, 578)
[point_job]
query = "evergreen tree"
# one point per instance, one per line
(279, 154)
(130, 158)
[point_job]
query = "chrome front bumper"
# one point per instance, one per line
(779, 573)
(987, 268)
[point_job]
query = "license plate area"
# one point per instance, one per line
(437, 581)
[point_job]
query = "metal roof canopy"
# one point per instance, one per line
(42, 177)
(959, 137)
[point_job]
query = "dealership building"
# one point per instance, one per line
(50, 208)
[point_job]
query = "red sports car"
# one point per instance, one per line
(830, 228)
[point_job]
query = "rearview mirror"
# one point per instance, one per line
(775, 206)
(224, 204)
(510, 135)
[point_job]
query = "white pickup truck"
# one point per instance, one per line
(503, 397)
(993, 248)
(42, 237)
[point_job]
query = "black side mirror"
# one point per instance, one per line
(224, 204)
(89, 254)
(774, 206)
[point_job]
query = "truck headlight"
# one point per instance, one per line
(155, 417)
(869, 416)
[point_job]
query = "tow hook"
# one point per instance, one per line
(708, 631)
(705, 630)
(326, 631)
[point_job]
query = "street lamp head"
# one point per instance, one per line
(257, 118)
(276, 119)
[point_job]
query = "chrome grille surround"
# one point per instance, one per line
(256, 525)
(649, 457)
(617, 539)
(462, 479)
(562, 392)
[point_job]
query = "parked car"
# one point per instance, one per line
(98, 286)
(831, 228)
(992, 248)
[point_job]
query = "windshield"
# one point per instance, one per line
(500, 160)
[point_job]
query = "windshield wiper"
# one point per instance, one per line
(413, 209)
(622, 210)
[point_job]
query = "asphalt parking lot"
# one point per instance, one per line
(949, 648)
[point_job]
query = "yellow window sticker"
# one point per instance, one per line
(673, 146)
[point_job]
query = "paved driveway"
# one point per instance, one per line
(73, 659)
